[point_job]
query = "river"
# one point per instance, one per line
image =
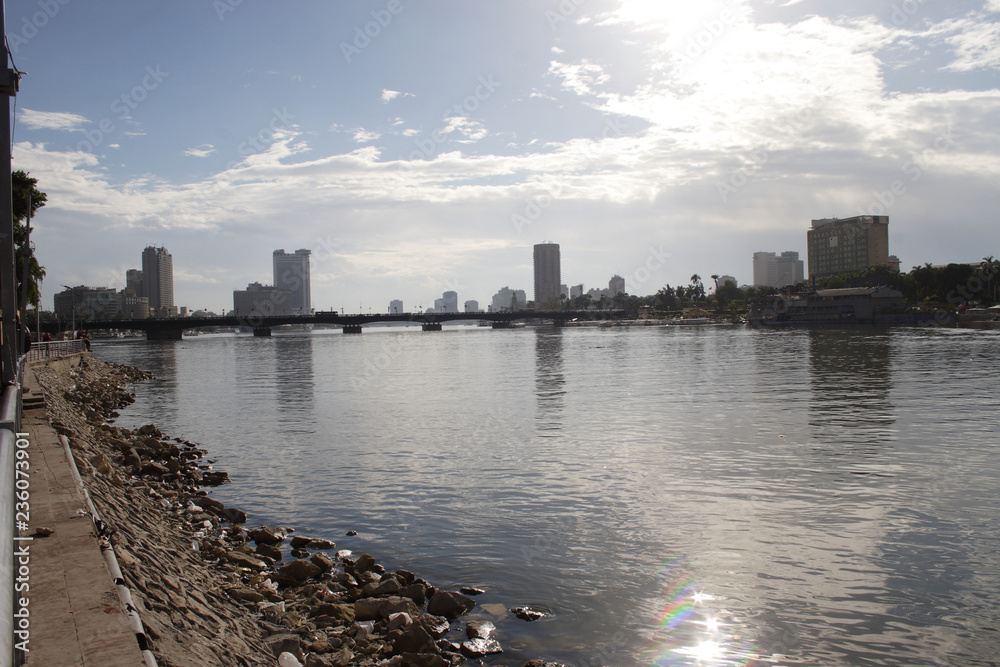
(672, 495)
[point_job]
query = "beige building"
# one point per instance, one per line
(848, 244)
(262, 301)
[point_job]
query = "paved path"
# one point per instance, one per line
(76, 616)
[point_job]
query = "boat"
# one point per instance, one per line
(838, 307)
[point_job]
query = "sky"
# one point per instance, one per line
(416, 148)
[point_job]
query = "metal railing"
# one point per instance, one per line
(55, 349)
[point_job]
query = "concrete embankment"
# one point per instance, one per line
(207, 590)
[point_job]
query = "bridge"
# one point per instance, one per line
(173, 328)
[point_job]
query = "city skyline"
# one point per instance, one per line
(652, 140)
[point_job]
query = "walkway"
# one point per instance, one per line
(76, 617)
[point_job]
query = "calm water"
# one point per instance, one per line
(675, 496)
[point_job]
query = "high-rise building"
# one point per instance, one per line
(547, 273)
(576, 291)
(772, 270)
(396, 307)
(450, 302)
(133, 281)
(848, 244)
(291, 272)
(158, 280)
(472, 306)
(508, 299)
(616, 285)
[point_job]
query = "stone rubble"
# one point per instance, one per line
(211, 592)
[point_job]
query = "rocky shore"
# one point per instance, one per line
(211, 591)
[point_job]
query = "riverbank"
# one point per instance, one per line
(211, 592)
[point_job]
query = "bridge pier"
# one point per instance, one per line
(262, 332)
(503, 324)
(167, 333)
(432, 326)
(352, 328)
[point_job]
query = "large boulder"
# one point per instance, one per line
(449, 604)
(299, 570)
(240, 559)
(414, 639)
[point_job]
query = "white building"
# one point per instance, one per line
(472, 307)
(395, 307)
(774, 271)
(509, 299)
(722, 280)
(450, 300)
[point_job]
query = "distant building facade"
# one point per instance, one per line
(722, 280)
(472, 307)
(87, 303)
(575, 291)
(133, 281)
(395, 307)
(616, 285)
(771, 270)
(450, 300)
(262, 301)
(291, 273)
(547, 273)
(508, 299)
(848, 244)
(158, 281)
(134, 307)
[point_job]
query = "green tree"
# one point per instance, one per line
(24, 191)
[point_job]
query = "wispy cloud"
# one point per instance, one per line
(200, 151)
(363, 136)
(51, 120)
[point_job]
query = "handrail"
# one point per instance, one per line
(55, 349)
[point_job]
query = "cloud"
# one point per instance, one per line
(363, 136)
(200, 151)
(389, 95)
(51, 120)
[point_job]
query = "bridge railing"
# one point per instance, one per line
(55, 349)
(10, 425)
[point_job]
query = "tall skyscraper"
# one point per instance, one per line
(616, 285)
(848, 244)
(133, 281)
(158, 279)
(547, 273)
(291, 272)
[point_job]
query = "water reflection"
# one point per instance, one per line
(293, 370)
(550, 381)
(850, 381)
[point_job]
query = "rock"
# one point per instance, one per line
(245, 594)
(269, 550)
(44, 531)
(233, 515)
(153, 469)
(541, 663)
(437, 626)
(299, 570)
(101, 463)
(423, 660)
(341, 658)
(398, 620)
(449, 604)
(288, 660)
(364, 563)
(387, 587)
(414, 639)
(351, 533)
(285, 643)
(528, 613)
(299, 541)
(480, 630)
(321, 545)
(300, 553)
(416, 592)
(367, 609)
(322, 561)
(340, 612)
(468, 590)
(214, 478)
(266, 536)
(476, 648)
(375, 609)
(240, 559)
